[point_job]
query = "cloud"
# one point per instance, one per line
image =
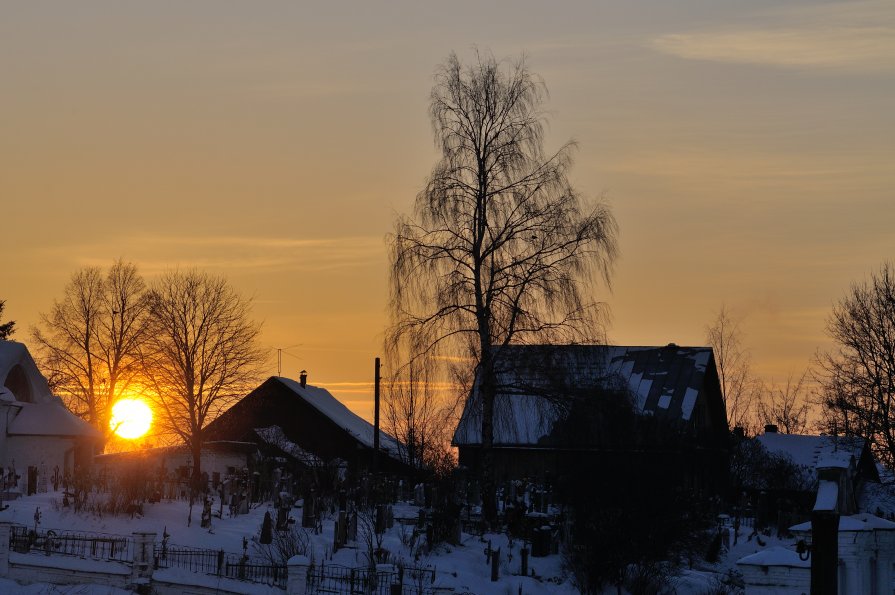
(157, 253)
(857, 38)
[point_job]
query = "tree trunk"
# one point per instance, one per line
(487, 390)
(196, 479)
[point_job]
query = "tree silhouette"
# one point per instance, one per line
(500, 247)
(6, 328)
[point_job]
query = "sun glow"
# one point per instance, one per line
(131, 418)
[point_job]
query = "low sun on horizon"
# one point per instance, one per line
(131, 418)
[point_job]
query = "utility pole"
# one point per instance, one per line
(376, 416)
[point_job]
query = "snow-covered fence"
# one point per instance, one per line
(220, 563)
(384, 579)
(98, 546)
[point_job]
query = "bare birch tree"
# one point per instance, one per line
(202, 353)
(739, 388)
(858, 376)
(90, 341)
(500, 248)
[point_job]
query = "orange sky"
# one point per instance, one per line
(747, 150)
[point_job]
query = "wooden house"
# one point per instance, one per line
(657, 410)
(305, 423)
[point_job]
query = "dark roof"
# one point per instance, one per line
(662, 381)
(308, 417)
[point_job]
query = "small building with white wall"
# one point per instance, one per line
(39, 436)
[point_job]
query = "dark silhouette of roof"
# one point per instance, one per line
(536, 381)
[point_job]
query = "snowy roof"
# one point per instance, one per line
(49, 419)
(328, 405)
(814, 452)
(275, 436)
(775, 556)
(827, 496)
(663, 381)
(855, 522)
(19, 374)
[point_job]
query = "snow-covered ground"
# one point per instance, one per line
(463, 568)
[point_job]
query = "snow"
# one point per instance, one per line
(689, 402)
(70, 563)
(328, 405)
(855, 522)
(814, 452)
(673, 374)
(776, 556)
(49, 419)
(462, 568)
(12, 354)
(13, 588)
(827, 496)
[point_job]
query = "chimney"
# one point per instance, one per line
(770, 429)
(303, 378)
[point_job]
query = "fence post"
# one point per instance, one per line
(298, 567)
(4, 548)
(144, 555)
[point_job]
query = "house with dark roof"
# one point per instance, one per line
(305, 424)
(846, 459)
(652, 408)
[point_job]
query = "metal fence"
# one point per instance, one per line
(220, 563)
(341, 580)
(98, 546)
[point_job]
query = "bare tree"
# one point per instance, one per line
(90, 341)
(738, 386)
(6, 328)
(411, 409)
(202, 353)
(501, 248)
(787, 405)
(858, 376)
(417, 411)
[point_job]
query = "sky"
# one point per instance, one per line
(746, 149)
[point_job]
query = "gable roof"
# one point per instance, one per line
(35, 410)
(49, 419)
(353, 424)
(814, 452)
(662, 381)
(19, 374)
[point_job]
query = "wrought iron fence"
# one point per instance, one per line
(220, 563)
(99, 546)
(341, 580)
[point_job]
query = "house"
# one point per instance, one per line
(848, 458)
(656, 409)
(40, 439)
(306, 425)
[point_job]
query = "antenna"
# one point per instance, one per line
(280, 351)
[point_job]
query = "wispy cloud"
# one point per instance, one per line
(853, 37)
(157, 253)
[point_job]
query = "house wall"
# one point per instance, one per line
(44, 452)
(776, 580)
(866, 560)
(701, 470)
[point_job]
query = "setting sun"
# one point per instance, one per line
(131, 418)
